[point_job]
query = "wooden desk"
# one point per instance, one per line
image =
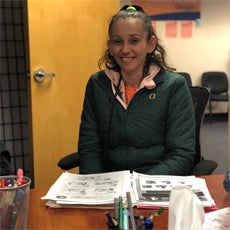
(39, 217)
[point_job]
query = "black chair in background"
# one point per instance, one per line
(200, 96)
(187, 77)
(217, 82)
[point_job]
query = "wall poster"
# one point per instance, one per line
(169, 9)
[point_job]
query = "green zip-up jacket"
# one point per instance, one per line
(153, 134)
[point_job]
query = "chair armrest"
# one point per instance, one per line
(204, 167)
(69, 162)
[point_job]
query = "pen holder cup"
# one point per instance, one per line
(14, 202)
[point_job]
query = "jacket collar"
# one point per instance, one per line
(118, 85)
(147, 81)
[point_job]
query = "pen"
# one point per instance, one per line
(111, 220)
(125, 219)
(131, 210)
(116, 209)
(149, 221)
(120, 212)
(154, 214)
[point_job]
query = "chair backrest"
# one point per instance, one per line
(216, 81)
(5, 160)
(187, 77)
(200, 96)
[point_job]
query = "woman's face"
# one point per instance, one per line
(129, 46)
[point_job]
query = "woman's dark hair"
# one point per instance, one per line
(158, 54)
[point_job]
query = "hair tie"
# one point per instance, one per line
(131, 8)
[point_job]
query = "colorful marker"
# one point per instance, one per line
(20, 180)
(120, 212)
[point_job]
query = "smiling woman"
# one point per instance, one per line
(132, 118)
(129, 44)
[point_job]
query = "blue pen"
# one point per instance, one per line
(108, 216)
(111, 221)
(125, 219)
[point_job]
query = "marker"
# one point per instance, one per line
(125, 219)
(120, 212)
(131, 210)
(3, 183)
(108, 216)
(116, 209)
(20, 180)
(111, 220)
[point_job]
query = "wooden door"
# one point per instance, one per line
(66, 37)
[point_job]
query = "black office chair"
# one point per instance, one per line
(217, 82)
(5, 161)
(187, 77)
(69, 162)
(200, 96)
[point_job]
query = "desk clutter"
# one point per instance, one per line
(136, 201)
(14, 199)
(125, 218)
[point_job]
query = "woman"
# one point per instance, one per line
(138, 114)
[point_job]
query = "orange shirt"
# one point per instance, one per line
(129, 92)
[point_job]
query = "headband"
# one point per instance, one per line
(131, 8)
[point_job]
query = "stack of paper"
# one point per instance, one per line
(101, 189)
(152, 190)
(91, 189)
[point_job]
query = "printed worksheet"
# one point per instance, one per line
(89, 189)
(155, 189)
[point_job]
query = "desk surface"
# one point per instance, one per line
(40, 217)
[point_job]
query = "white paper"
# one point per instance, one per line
(155, 190)
(99, 189)
(217, 220)
(89, 189)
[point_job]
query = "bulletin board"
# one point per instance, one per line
(170, 9)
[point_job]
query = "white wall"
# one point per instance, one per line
(209, 47)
